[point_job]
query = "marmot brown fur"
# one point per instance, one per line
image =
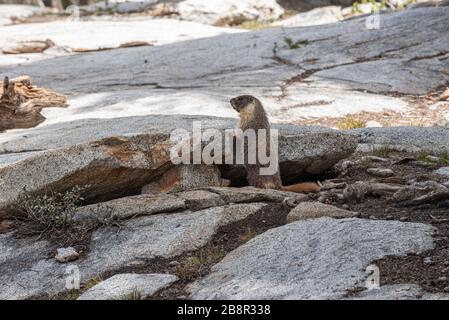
(253, 116)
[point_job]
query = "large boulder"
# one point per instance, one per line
(121, 165)
(185, 177)
(28, 269)
(408, 139)
(324, 15)
(210, 12)
(340, 72)
(10, 13)
(129, 286)
(70, 37)
(314, 210)
(313, 259)
(399, 292)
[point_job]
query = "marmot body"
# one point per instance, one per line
(253, 116)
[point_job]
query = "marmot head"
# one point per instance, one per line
(242, 102)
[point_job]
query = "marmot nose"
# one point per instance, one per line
(232, 102)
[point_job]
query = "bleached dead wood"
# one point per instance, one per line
(21, 103)
(35, 46)
(357, 191)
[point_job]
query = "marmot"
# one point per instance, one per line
(253, 116)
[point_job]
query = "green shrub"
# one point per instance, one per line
(295, 44)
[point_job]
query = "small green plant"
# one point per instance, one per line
(66, 295)
(383, 151)
(105, 216)
(50, 216)
(53, 210)
(92, 282)
(350, 122)
(295, 44)
(443, 158)
(366, 163)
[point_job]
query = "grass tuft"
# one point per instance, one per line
(291, 44)
(199, 264)
(350, 122)
(50, 216)
(134, 295)
(383, 151)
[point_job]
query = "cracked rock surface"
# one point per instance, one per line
(326, 256)
(27, 268)
(336, 73)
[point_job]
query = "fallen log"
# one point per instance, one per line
(21, 103)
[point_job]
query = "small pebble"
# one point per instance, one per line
(424, 164)
(379, 172)
(446, 289)
(66, 254)
(374, 159)
(173, 263)
(372, 217)
(373, 124)
(389, 218)
(345, 206)
(428, 260)
(346, 164)
(322, 199)
(442, 279)
(389, 210)
(403, 219)
(432, 158)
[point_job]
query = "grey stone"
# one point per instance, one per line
(251, 194)
(128, 207)
(207, 12)
(27, 268)
(373, 159)
(433, 158)
(121, 286)
(408, 139)
(162, 235)
(314, 210)
(200, 199)
(444, 171)
(65, 255)
(317, 16)
(391, 292)
(110, 167)
(421, 192)
(185, 177)
(122, 165)
(313, 153)
(380, 172)
(312, 259)
(343, 68)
